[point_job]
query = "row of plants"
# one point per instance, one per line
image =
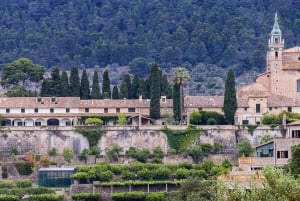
(22, 183)
(105, 172)
(137, 183)
(139, 196)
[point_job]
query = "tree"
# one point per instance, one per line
(74, 83)
(64, 84)
(68, 154)
(95, 150)
(180, 75)
(139, 66)
(294, 163)
(195, 117)
(19, 91)
(245, 148)
(115, 92)
(135, 87)
(106, 92)
(122, 120)
(176, 102)
(55, 82)
(155, 93)
(85, 86)
(230, 103)
(114, 152)
(19, 71)
(93, 121)
(95, 94)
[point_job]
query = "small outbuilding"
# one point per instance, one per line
(55, 176)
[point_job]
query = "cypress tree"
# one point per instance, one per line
(164, 85)
(141, 89)
(176, 102)
(155, 93)
(46, 87)
(55, 82)
(74, 83)
(115, 92)
(135, 87)
(123, 91)
(95, 94)
(127, 82)
(106, 92)
(230, 103)
(85, 86)
(64, 81)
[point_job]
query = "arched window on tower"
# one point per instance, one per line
(276, 54)
(298, 85)
(276, 40)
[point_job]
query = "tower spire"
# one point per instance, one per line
(276, 36)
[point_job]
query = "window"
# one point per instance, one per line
(117, 110)
(200, 108)
(270, 108)
(53, 99)
(282, 154)
(289, 109)
(38, 99)
(38, 123)
(51, 110)
(245, 122)
(245, 108)
(106, 110)
(257, 108)
(22, 110)
(67, 110)
(7, 110)
(36, 110)
(296, 134)
(87, 110)
(131, 109)
(276, 54)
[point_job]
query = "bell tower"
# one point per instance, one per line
(274, 57)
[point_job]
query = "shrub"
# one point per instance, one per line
(195, 118)
(126, 175)
(9, 198)
(24, 183)
(142, 155)
(162, 173)
(52, 151)
(269, 119)
(87, 197)
(93, 121)
(129, 196)
(6, 184)
(245, 148)
(117, 169)
(144, 174)
(114, 152)
(182, 173)
(211, 121)
(46, 197)
(186, 165)
(219, 118)
(157, 196)
(24, 168)
(172, 151)
(105, 175)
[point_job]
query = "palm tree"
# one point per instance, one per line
(180, 75)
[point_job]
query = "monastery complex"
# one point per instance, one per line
(275, 90)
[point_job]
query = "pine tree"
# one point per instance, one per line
(85, 86)
(230, 102)
(115, 92)
(74, 83)
(95, 94)
(106, 91)
(155, 93)
(135, 87)
(65, 87)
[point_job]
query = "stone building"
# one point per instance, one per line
(275, 90)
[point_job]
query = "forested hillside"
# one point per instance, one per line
(172, 33)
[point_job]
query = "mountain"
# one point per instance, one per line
(171, 33)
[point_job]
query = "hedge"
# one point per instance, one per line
(24, 183)
(46, 197)
(129, 196)
(87, 197)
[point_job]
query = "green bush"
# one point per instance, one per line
(46, 197)
(195, 117)
(24, 183)
(117, 168)
(9, 198)
(269, 119)
(4, 172)
(127, 175)
(157, 196)
(162, 173)
(144, 174)
(181, 173)
(129, 196)
(87, 197)
(211, 121)
(219, 118)
(104, 175)
(6, 184)
(24, 168)
(185, 165)
(52, 151)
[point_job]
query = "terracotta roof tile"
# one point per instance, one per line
(204, 101)
(279, 101)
